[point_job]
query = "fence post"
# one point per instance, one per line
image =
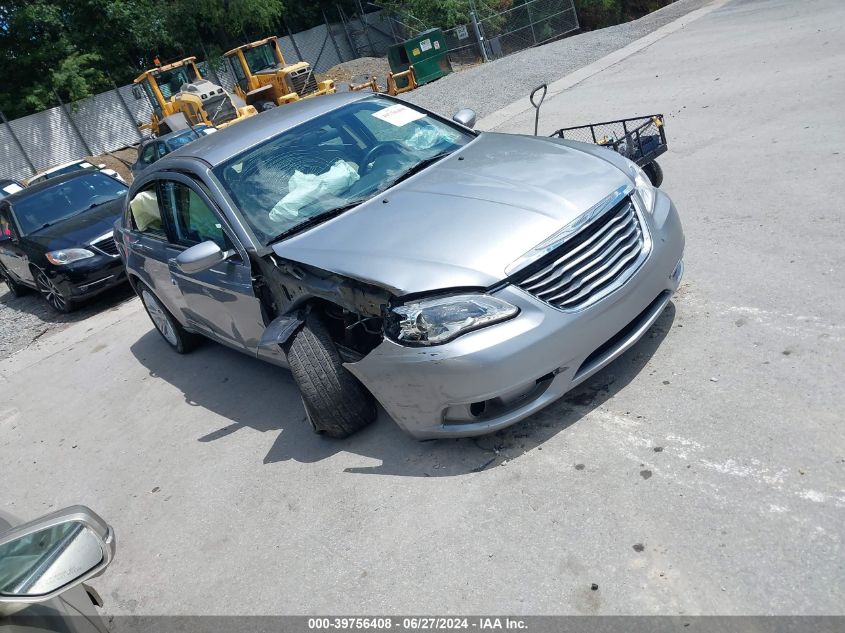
(352, 45)
(531, 23)
(366, 28)
(292, 41)
(18, 143)
(73, 124)
(331, 35)
(478, 37)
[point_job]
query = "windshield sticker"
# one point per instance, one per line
(398, 115)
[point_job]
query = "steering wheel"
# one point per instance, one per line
(387, 147)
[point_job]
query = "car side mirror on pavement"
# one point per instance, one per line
(43, 558)
(465, 117)
(200, 257)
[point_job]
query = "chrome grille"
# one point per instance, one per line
(106, 245)
(593, 262)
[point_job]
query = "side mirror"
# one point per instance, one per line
(465, 117)
(200, 257)
(137, 92)
(43, 558)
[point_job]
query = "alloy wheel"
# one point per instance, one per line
(159, 317)
(51, 294)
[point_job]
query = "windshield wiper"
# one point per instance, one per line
(419, 167)
(317, 219)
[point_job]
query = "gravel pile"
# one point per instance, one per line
(487, 87)
(28, 318)
(358, 70)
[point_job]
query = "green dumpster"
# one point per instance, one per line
(428, 54)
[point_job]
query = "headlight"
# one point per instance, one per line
(645, 190)
(436, 321)
(68, 256)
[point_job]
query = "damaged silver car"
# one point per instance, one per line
(463, 280)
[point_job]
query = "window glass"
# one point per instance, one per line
(193, 221)
(332, 161)
(260, 58)
(171, 81)
(145, 212)
(148, 155)
(5, 224)
(161, 150)
(65, 199)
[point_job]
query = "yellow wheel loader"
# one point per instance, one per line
(181, 97)
(265, 80)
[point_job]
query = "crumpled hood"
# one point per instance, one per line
(462, 221)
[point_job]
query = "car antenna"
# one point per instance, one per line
(537, 104)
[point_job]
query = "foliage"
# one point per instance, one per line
(77, 48)
(443, 14)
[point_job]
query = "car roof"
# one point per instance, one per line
(62, 166)
(170, 135)
(46, 184)
(234, 139)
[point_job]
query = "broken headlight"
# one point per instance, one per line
(436, 321)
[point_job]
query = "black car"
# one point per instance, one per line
(57, 237)
(150, 150)
(8, 187)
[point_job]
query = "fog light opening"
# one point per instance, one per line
(477, 409)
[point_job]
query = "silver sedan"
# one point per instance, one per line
(463, 280)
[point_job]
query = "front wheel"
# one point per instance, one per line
(170, 329)
(51, 293)
(335, 402)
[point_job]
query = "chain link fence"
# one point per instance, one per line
(108, 121)
(526, 25)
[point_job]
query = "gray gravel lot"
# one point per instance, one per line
(28, 318)
(488, 87)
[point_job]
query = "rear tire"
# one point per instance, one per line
(168, 327)
(335, 402)
(654, 173)
(16, 289)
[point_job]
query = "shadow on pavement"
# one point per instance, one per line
(253, 394)
(32, 303)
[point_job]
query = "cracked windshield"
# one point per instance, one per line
(321, 167)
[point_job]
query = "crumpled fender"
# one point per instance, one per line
(281, 329)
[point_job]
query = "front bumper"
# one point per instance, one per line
(88, 277)
(491, 378)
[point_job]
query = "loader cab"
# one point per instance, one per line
(259, 58)
(160, 84)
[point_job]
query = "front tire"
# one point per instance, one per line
(51, 293)
(335, 402)
(169, 328)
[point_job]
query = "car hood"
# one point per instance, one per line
(462, 221)
(81, 229)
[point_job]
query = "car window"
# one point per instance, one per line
(148, 155)
(191, 218)
(145, 213)
(62, 200)
(161, 150)
(5, 224)
(331, 162)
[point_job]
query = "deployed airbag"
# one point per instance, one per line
(303, 189)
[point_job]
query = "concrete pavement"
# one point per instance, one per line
(701, 473)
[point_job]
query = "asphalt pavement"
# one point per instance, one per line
(701, 473)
